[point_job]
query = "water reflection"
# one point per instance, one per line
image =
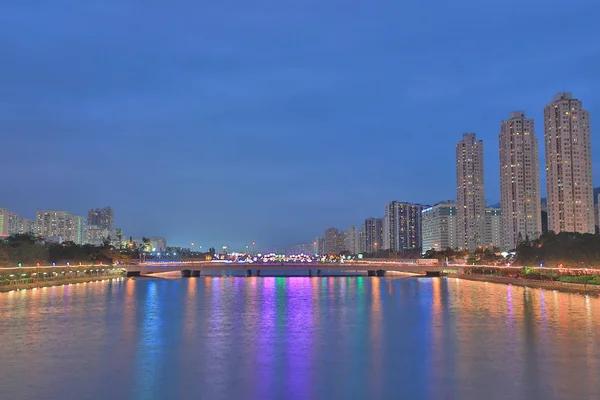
(318, 338)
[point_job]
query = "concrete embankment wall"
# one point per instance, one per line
(549, 285)
(57, 282)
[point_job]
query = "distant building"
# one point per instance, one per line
(79, 230)
(373, 234)
(95, 235)
(351, 239)
(402, 226)
(59, 226)
(333, 241)
(26, 226)
(9, 222)
(493, 228)
(103, 218)
(319, 245)
(568, 166)
(519, 180)
(439, 226)
(470, 192)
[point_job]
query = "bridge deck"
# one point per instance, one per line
(289, 267)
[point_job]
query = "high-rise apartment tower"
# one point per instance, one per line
(470, 192)
(569, 186)
(519, 180)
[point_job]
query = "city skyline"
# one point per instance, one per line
(186, 137)
(479, 230)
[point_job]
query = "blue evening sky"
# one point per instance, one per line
(222, 122)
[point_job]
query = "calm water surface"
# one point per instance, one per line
(298, 338)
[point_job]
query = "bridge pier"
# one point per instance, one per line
(258, 272)
(310, 273)
(371, 273)
(380, 272)
(133, 273)
(196, 273)
(248, 272)
(186, 273)
(318, 272)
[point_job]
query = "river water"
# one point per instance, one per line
(298, 338)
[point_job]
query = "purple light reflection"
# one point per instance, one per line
(299, 337)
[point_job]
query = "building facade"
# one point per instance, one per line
(95, 235)
(103, 218)
(373, 234)
(493, 228)
(333, 241)
(439, 227)
(569, 185)
(351, 240)
(470, 192)
(9, 222)
(59, 226)
(26, 225)
(519, 180)
(402, 226)
(320, 245)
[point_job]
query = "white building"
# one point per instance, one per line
(439, 226)
(351, 240)
(493, 228)
(568, 166)
(470, 192)
(96, 235)
(26, 225)
(9, 222)
(519, 180)
(59, 226)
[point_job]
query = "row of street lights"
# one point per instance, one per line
(192, 244)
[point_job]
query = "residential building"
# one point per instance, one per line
(351, 239)
(373, 234)
(26, 225)
(519, 180)
(333, 241)
(96, 235)
(79, 231)
(402, 226)
(569, 186)
(439, 224)
(59, 226)
(493, 228)
(103, 218)
(9, 222)
(320, 245)
(470, 192)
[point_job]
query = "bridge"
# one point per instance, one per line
(198, 268)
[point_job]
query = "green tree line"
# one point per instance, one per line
(565, 248)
